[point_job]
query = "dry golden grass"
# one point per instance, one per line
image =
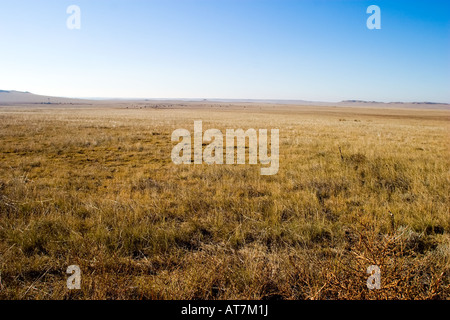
(96, 187)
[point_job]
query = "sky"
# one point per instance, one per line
(228, 49)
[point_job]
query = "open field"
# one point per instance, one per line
(96, 187)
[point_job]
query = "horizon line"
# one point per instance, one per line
(228, 99)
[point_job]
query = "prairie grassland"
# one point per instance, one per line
(96, 187)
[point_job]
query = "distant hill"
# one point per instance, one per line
(12, 97)
(363, 101)
(414, 105)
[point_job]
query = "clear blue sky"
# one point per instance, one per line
(256, 49)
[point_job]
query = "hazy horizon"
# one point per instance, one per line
(242, 100)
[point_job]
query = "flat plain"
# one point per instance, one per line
(95, 186)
